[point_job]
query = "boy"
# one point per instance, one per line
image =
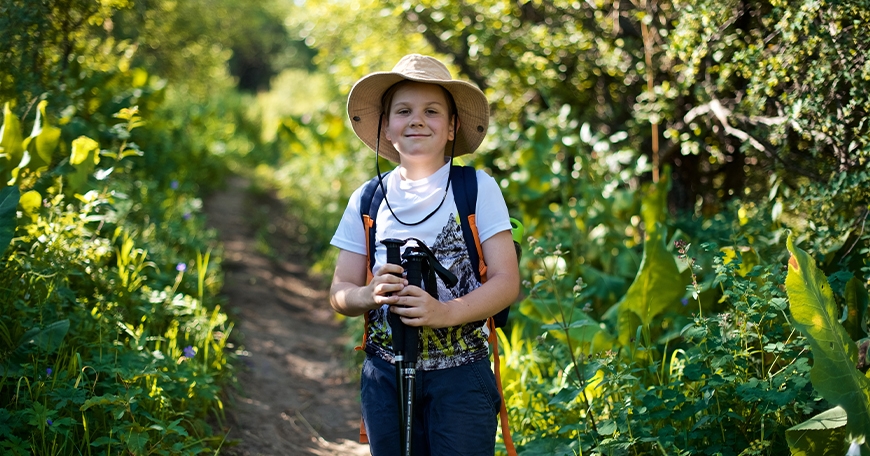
(418, 116)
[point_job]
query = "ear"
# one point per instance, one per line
(454, 127)
(384, 124)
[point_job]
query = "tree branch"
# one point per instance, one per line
(721, 114)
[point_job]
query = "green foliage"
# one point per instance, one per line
(101, 346)
(112, 338)
(721, 384)
(111, 335)
(54, 42)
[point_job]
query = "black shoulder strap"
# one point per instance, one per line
(370, 200)
(464, 181)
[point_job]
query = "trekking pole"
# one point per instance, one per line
(398, 330)
(412, 334)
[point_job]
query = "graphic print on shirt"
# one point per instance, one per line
(443, 347)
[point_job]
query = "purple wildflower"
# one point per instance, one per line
(48, 372)
(49, 422)
(186, 216)
(181, 267)
(173, 185)
(189, 352)
(685, 301)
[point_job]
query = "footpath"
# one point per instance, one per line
(298, 392)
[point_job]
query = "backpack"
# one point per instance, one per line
(463, 179)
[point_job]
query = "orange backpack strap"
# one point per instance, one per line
(363, 437)
(369, 225)
(481, 265)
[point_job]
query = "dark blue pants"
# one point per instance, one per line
(456, 410)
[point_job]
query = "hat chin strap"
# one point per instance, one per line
(381, 179)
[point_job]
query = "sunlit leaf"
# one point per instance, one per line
(11, 148)
(657, 286)
(85, 155)
(84, 151)
(821, 435)
(835, 355)
(30, 203)
(43, 140)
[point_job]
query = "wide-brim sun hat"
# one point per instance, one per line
(364, 104)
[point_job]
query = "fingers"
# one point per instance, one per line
(386, 283)
(391, 269)
(414, 305)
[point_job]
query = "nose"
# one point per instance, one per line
(416, 120)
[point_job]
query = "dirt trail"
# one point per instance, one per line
(299, 396)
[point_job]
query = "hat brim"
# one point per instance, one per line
(364, 111)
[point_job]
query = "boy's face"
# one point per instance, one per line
(418, 123)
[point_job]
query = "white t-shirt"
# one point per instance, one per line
(411, 201)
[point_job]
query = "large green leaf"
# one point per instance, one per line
(9, 197)
(657, 286)
(821, 435)
(43, 140)
(835, 354)
(11, 149)
(136, 438)
(46, 340)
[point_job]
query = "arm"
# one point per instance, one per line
(499, 291)
(349, 295)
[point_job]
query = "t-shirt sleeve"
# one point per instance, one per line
(350, 234)
(492, 212)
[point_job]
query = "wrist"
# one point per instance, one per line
(449, 313)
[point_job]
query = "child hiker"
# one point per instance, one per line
(419, 117)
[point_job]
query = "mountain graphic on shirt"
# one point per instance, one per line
(450, 250)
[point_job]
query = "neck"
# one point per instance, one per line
(413, 170)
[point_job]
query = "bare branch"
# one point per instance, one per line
(721, 114)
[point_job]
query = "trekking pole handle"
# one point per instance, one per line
(394, 256)
(414, 268)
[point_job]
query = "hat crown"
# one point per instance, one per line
(418, 66)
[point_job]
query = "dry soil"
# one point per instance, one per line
(298, 394)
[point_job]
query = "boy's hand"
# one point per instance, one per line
(386, 282)
(419, 308)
